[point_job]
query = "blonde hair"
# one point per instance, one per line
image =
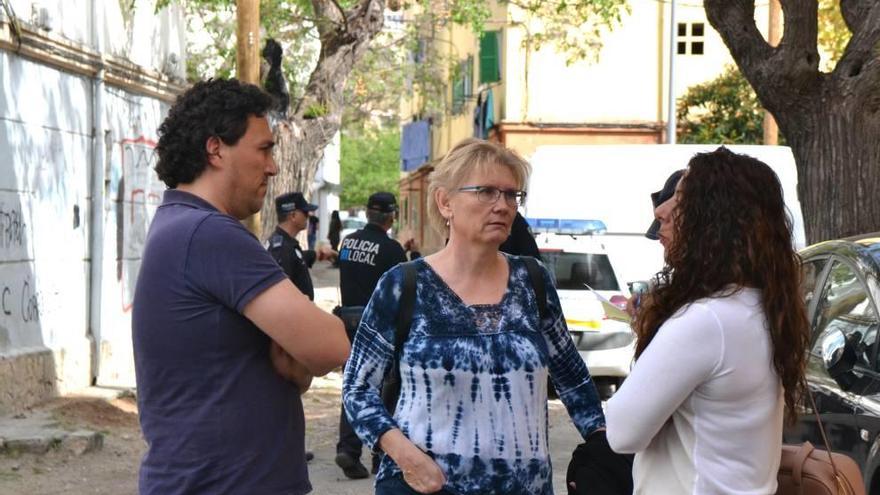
(466, 157)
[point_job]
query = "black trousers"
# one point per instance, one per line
(349, 443)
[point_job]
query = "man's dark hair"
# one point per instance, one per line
(380, 218)
(216, 107)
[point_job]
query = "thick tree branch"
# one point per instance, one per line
(330, 16)
(735, 22)
(855, 12)
(799, 44)
(793, 66)
(303, 136)
(867, 91)
(341, 48)
(861, 48)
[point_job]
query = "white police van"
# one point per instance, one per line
(593, 296)
(613, 183)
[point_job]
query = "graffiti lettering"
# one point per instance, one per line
(29, 300)
(30, 306)
(138, 197)
(12, 227)
(6, 310)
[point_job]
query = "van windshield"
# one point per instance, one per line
(353, 223)
(571, 271)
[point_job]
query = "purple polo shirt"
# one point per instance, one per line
(216, 417)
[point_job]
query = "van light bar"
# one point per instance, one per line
(567, 226)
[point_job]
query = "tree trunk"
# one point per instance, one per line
(297, 155)
(302, 137)
(831, 121)
(838, 162)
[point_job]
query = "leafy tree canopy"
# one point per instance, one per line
(724, 110)
(388, 69)
(369, 162)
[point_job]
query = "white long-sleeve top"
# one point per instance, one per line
(702, 408)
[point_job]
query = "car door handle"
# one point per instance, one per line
(865, 434)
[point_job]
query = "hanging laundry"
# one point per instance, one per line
(415, 145)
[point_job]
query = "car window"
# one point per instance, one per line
(353, 223)
(845, 305)
(811, 270)
(571, 271)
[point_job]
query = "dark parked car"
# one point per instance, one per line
(842, 289)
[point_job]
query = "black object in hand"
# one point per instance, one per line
(595, 469)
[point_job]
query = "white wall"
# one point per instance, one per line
(44, 158)
(325, 189)
(628, 82)
(47, 158)
(148, 39)
(132, 195)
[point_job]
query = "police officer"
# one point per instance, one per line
(293, 217)
(364, 257)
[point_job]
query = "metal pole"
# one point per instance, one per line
(670, 117)
(97, 193)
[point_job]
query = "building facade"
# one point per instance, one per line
(503, 89)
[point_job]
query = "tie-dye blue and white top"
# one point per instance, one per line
(474, 381)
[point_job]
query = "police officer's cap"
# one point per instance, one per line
(660, 197)
(291, 201)
(382, 201)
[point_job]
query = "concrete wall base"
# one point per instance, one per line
(27, 376)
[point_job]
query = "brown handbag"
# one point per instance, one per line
(806, 470)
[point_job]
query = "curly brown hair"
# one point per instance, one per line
(730, 231)
(216, 107)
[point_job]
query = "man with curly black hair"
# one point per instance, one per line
(223, 341)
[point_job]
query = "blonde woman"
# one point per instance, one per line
(472, 415)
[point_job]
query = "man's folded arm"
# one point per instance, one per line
(313, 337)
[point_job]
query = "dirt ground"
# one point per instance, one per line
(113, 469)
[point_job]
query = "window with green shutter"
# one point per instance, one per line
(458, 95)
(462, 84)
(490, 57)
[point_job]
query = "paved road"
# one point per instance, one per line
(327, 478)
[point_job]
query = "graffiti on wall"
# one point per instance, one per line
(20, 300)
(12, 227)
(138, 195)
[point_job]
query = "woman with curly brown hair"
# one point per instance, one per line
(721, 338)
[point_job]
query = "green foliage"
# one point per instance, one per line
(315, 110)
(724, 110)
(573, 27)
(369, 162)
(211, 37)
(473, 13)
(833, 33)
(408, 60)
(374, 87)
